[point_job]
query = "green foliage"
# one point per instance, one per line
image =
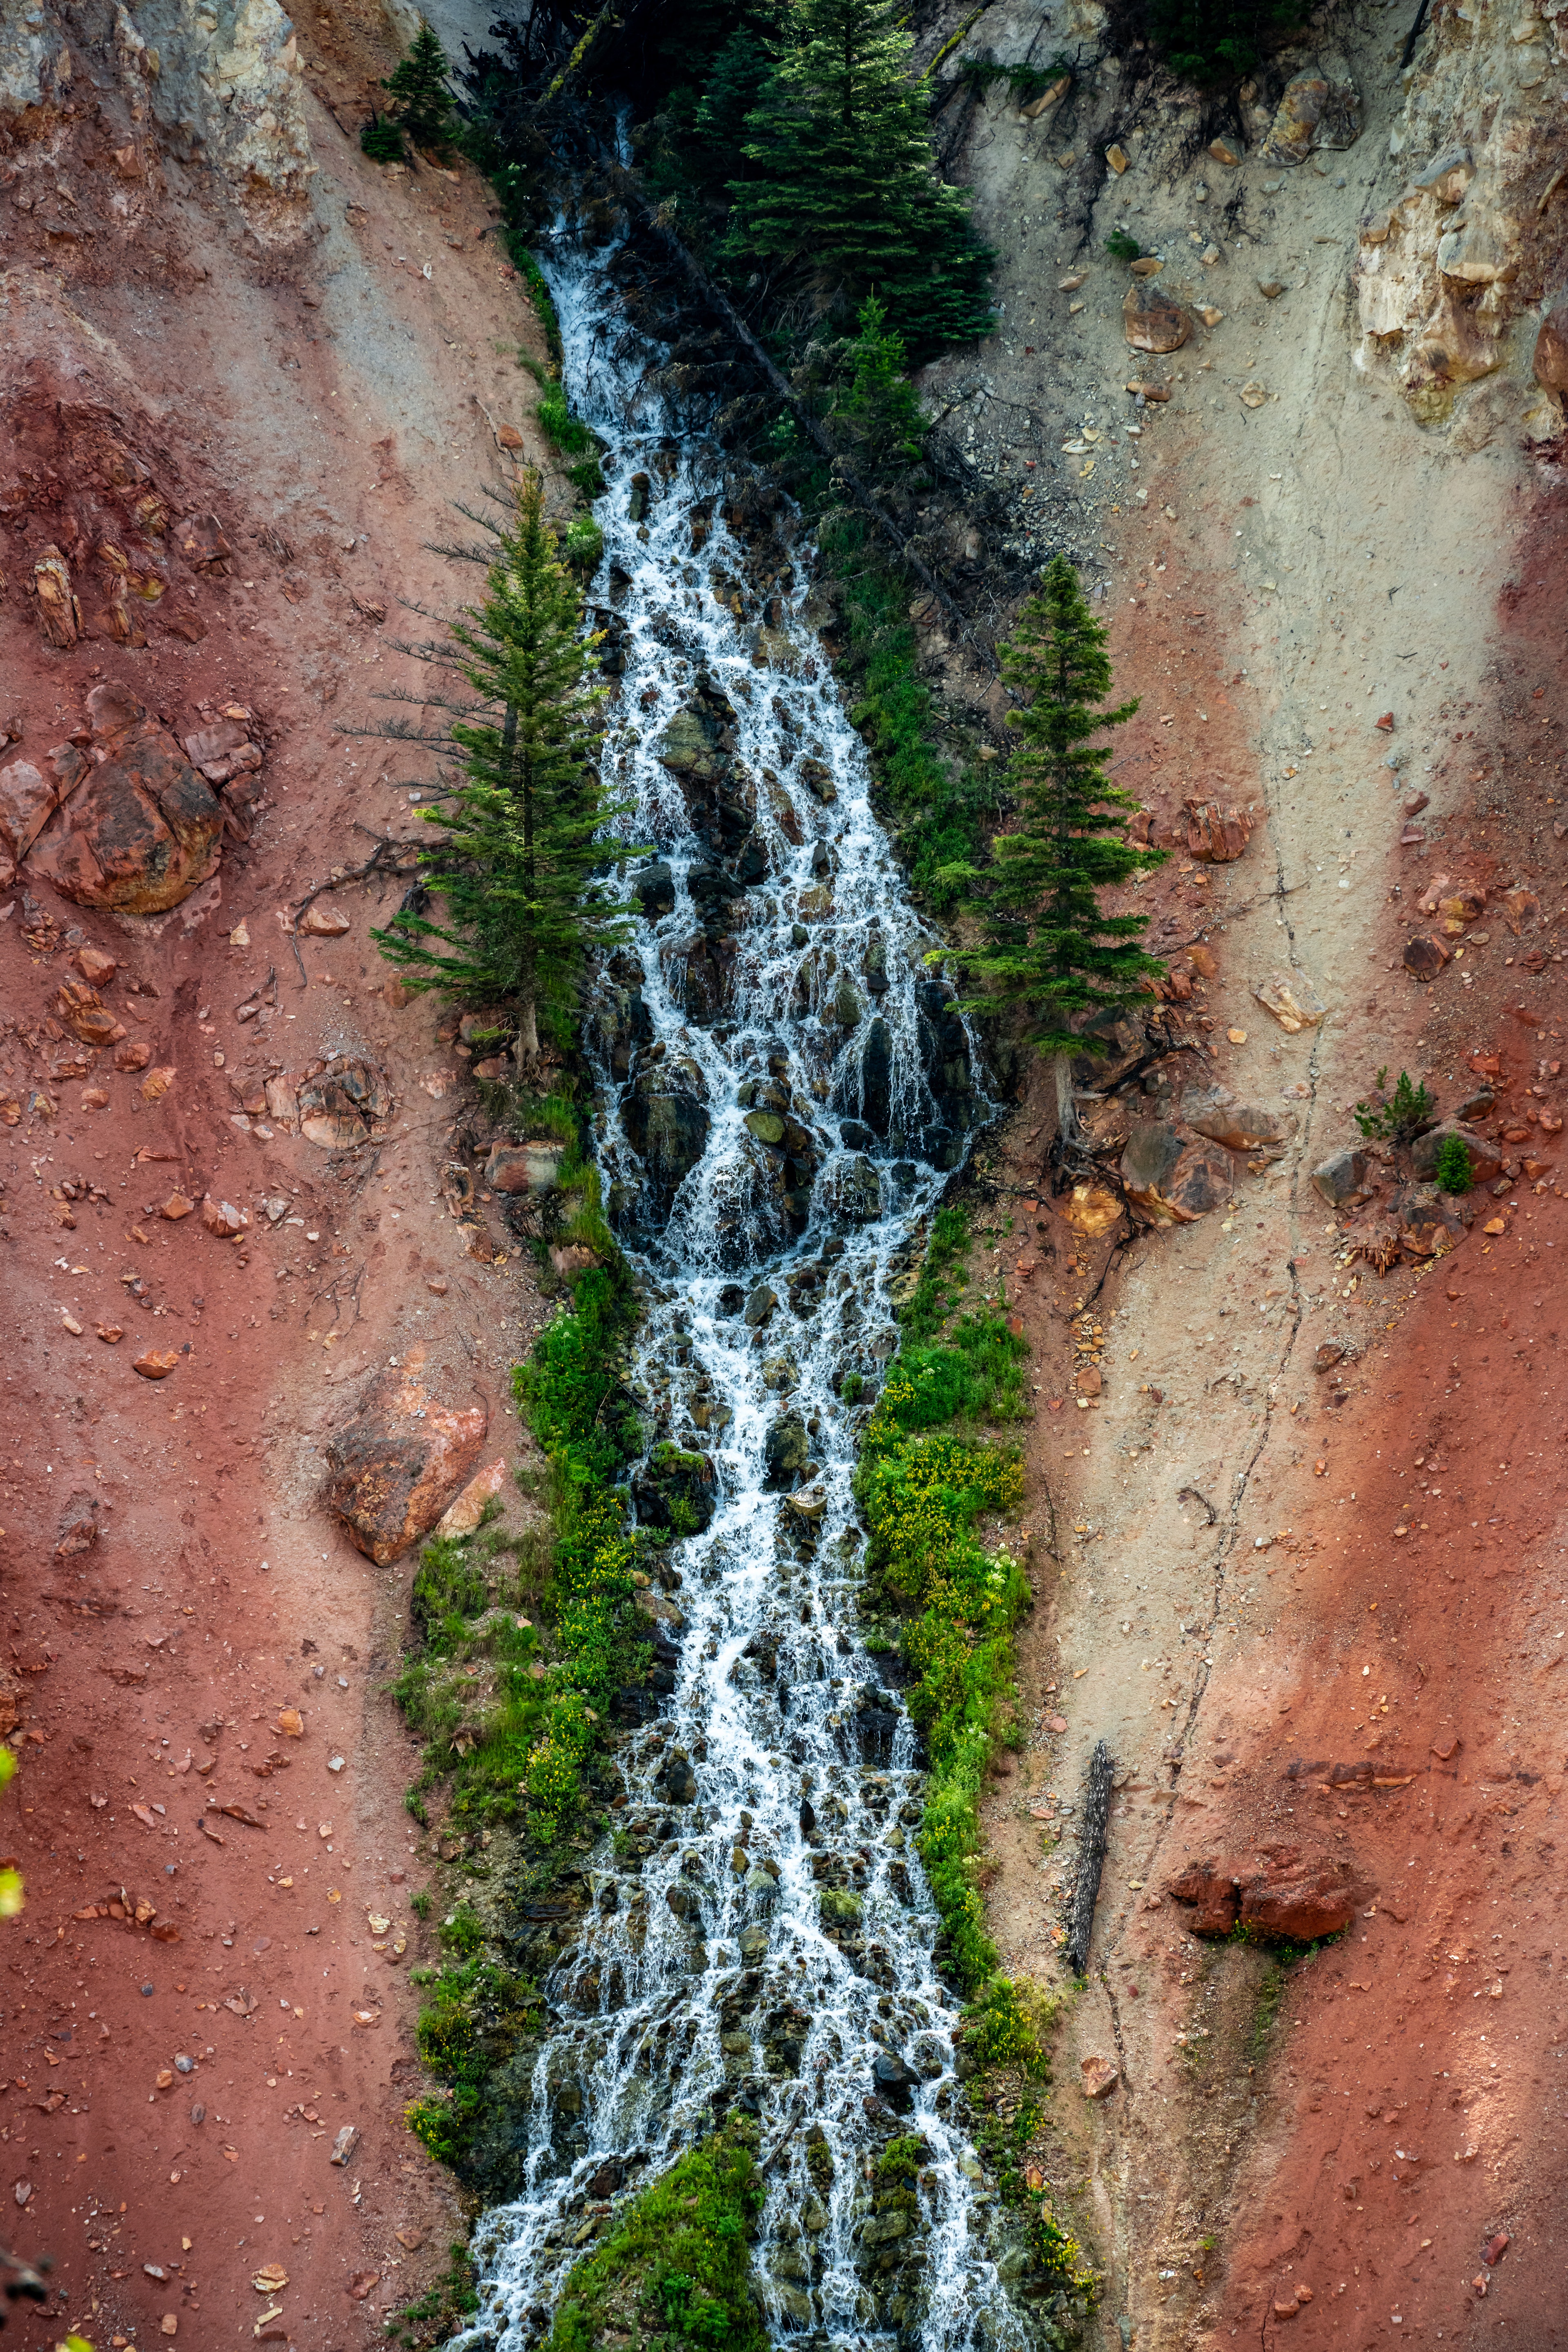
(463, 1933)
(1049, 946)
(1010, 2025)
(900, 2161)
(382, 139)
(584, 544)
(465, 2029)
(675, 2263)
(1123, 248)
(1211, 41)
(1060, 2257)
(1453, 1172)
(1398, 1117)
(936, 814)
(421, 1904)
(566, 431)
(418, 83)
(982, 73)
(522, 854)
(921, 1493)
(841, 185)
(877, 411)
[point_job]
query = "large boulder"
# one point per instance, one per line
(1282, 1892)
(1174, 1182)
(1486, 1160)
(787, 1453)
(1240, 1127)
(133, 827)
(1153, 320)
(1344, 1177)
(393, 1469)
(697, 747)
(666, 1126)
(1320, 108)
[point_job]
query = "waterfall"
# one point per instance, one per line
(783, 1090)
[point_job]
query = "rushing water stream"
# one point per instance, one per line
(762, 1937)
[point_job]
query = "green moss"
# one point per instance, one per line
(1011, 2025)
(673, 2271)
(567, 432)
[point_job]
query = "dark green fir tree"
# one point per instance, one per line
(842, 182)
(418, 83)
(1050, 947)
(522, 863)
(877, 408)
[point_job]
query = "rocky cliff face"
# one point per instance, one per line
(1457, 277)
(90, 87)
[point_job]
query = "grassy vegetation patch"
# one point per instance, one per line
(672, 2272)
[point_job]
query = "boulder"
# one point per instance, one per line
(1153, 320)
(321, 921)
(851, 1191)
(786, 1453)
(393, 1469)
(1282, 1892)
(1099, 2075)
(675, 1489)
(343, 1104)
(135, 828)
(29, 798)
(1240, 1127)
(1090, 1209)
(667, 1127)
(1153, 1149)
(876, 1076)
(461, 1518)
(1216, 836)
(1344, 1177)
(85, 1014)
(759, 1305)
(222, 751)
(1486, 1161)
(1204, 1179)
(524, 1167)
(1424, 958)
(654, 888)
(1428, 1222)
(1317, 108)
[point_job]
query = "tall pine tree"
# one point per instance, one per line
(1050, 948)
(844, 183)
(521, 858)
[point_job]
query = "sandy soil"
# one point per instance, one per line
(329, 404)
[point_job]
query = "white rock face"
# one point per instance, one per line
(221, 78)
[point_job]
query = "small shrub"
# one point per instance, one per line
(1123, 248)
(1010, 2025)
(382, 139)
(1453, 1172)
(850, 1387)
(463, 1934)
(566, 431)
(420, 1905)
(1060, 2257)
(584, 544)
(1398, 1117)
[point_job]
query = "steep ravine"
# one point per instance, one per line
(1351, 547)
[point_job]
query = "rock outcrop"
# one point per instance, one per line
(1282, 1892)
(126, 824)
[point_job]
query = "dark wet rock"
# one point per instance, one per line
(875, 1099)
(852, 1191)
(702, 976)
(699, 748)
(678, 1781)
(787, 1451)
(667, 1127)
(759, 1305)
(654, 887)
(853, 1137)
(675, 1489)
(896, 2084)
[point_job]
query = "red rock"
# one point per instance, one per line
(1425, 957)
(201, 541)
(1496, 2248)
(1415, 803)
(86, 1015)
(1217, 838)
(27, 799)
(136, 829)
(1286, 2310)
(1386, 722)
(222, 751)
(1088, 1382)
(133, 1054)
(175, 1207)
(1212, 1895)
(394, 1470)
(157, 1363)
(1299, 1899)
(1100, 2075)
(341, 1105)
(222, 1218)
(94, 1099)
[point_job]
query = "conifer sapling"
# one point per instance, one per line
(1050, 947)
(418, 82)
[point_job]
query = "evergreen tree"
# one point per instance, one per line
(418, 82)
(844, 182)
(1049, 947)
(879, 407)
(521, 853)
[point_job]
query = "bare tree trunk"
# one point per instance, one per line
(527, 1031)
(1068, 1128)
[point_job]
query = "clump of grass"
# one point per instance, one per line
(676, 2261)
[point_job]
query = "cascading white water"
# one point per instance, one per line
(760, 1933)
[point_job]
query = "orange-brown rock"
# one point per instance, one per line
(86, 1015)
(1151, 320)
(136, 829)
(176, 1206)
(29, 798)
(394, 1469)
(96, 968)
(222, 1218)
(1216, 836)
(1552, 346)
(343, 1104)
(133, 1054)
(461, 1518)
(1282, 1892)
(157, 1363)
